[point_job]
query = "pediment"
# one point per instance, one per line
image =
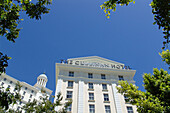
(95, 61)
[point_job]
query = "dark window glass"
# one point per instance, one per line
(71, 74)
(90, 75)
(121, 77)
(103, 76)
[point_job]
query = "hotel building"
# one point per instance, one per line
(28, 92)
(90, 82)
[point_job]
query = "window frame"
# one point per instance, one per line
(69, 94)
(90, 85)
(91, 108)
(129, 110)
(91, 96)
(106, 109)
(71, 74)
(103, 76)
(106, 97)
(120, 77)
(69, 108)
(104, 87)
(70, 82)
(90, 75)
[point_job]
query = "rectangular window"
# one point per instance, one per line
(103, 76)
(126, 98)
(69, 108)
(71, 74)
(2, 84)
(90, 75)
(69, 94)
(24, 93)
(22, 97)
(91, 108)
(106, 97)
(107, 109)
(70, 83)
(121, 77)
(30, 96)
(129, 109)
(8, 86)
(104, 86)
(10, 82)
(90, 85)
(91, 96)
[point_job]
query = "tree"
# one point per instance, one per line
(46, 106)
(7, 98)
(10, 18)
(156, 98)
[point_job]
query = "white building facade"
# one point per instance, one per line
(28, 92)
(90, 82)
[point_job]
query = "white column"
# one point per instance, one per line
(58, 89)
(116, 98)
(80, 97)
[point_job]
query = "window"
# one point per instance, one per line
(69, 108)
(104, 86)
(106, 97)
(91, 108)
(2, 84)
(69, 94)
(24, 93)
(70, 83)
(22, 97)
(90, 85)
(90, 75)
(8, 86)
(18, 108)
(10, 82)
(26, 88)
(32, 91)
(107, 109)
(29, 100)
(103, 76)
(126, 98)
(91, 96)
(129, 109)
(71, 74)
(121, 77)
(30, 96)
(20, 103)
(4, 79)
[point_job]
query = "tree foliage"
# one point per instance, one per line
(10, 15)
(7, 98)
(3, 62)
(10, 18)
(155, 99)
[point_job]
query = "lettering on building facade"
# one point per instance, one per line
(94, 64)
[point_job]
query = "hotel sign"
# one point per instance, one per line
(95, 64)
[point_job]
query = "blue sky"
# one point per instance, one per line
(77, 28)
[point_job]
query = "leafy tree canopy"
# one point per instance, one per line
(10, 15)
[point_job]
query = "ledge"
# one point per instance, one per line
(105, 90)
(106, 101)
(68, 99)
(91, 100)
(69, 87)
(91, 89)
